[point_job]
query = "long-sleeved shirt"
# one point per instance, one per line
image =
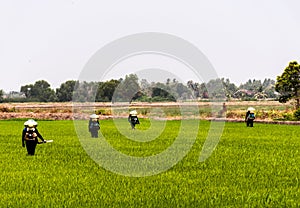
(34, 130)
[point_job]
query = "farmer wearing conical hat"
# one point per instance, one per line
(250, 116)
(94, 125)
(30, 136)
(133, 119)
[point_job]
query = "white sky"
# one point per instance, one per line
(53, 40)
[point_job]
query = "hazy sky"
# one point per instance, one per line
(53, 40)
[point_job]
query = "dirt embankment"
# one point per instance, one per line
(70, 111)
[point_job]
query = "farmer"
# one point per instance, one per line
(222, 112)
(133, 119)
(94, 125)
(250, 116)
(30, 136)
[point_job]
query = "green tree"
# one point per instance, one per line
(127, 89)
(182, 91)
(85, 91)
(195, 88)
(252, 85)
(288, 84)
(216, 89)
(269, 88)
(65, 92)
(146, 88)
(160, 94)
(26, 89)
(179, 90)
(40, 91)
(106, 90)
(230, 88)
(1, 95)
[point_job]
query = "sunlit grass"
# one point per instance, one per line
(251, 167)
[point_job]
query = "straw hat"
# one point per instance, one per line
(134, 113)
(94, 116)
(251, 109)
(30, 123)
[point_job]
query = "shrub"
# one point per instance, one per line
(104, 111)
(145, 111)
(7, 109)
(288, 116)
(297, 114)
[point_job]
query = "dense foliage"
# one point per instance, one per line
(288, 83)
(65, 92)
(40, 91)
(1, 95)
(132, 89)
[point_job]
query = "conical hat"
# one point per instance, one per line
(133, 112)
(251, 109)
(94, 116)
(30, 123)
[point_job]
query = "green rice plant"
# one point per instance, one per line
(250, 167)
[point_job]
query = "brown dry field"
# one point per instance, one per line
(65, 111)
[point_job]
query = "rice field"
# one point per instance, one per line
(250, 167)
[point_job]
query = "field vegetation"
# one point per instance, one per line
(265, 110)
(251, 167)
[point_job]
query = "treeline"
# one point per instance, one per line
(132, 89)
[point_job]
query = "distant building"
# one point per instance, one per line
(243, 93)
(14, 94)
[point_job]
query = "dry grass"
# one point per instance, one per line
(266, 110)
